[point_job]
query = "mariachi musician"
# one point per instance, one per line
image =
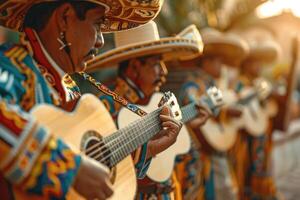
(139, 54)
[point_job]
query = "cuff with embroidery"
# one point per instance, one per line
(54, 171)
(141, 164)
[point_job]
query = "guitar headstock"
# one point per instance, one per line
(263, 88)
(213, 99)
(215, 95)
(170, 100)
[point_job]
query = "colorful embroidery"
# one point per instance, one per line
(54, 171)
(24, 145)
(16, 55)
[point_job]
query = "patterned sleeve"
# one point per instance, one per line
(30, 157)
(139, 156)
(189, 92)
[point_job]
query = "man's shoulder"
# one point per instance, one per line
(10, 53)
(11, 56)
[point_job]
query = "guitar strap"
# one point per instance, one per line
(115, 96)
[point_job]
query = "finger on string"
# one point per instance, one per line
(166, 118)
(171, 124)
(204, 113)
(165, 111)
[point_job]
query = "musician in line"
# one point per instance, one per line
(141, 72)
(205, 173)
(251, 155)
(57, 38)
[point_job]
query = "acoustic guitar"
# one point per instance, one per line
(91, 130)
(221, 134)
(162, 165)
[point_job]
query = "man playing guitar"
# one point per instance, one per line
(140, 74)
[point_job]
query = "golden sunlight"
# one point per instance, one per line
(276, 7)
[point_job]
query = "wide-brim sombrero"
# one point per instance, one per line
(120, 14)
(145, 41)
(229, 46)
(266, 51)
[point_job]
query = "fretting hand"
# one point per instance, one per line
(201, 118)
(167, 136)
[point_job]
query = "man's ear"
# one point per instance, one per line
(62, 14)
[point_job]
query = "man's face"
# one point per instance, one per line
(252, 68)
(151, 74)
(213, 66)
(85, 36)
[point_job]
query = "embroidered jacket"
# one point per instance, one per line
(126, 88)
(31, 158)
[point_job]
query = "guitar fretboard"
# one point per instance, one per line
(128, 139)
(189, 112)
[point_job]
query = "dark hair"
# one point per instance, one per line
(43, 12)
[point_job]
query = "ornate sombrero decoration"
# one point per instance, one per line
(144, 41)
(120, 14)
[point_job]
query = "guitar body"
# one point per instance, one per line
(162, 165)
(255, 117)
(221, 135)
(75, 128)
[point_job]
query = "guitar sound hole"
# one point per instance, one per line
(94, 147)
(97, 150)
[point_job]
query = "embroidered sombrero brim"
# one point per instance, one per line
(120, 14)
(186, 45)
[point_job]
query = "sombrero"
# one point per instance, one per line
(120, 14)
(229, 46)
(265, 51)
(144, 41)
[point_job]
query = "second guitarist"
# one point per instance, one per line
(140, 74)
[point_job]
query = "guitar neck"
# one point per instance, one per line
(128, 139)
(189, 112)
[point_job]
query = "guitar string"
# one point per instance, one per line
(117, 152)
(117, 147)
(92, 147)
(150, 118)
(189, 113)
